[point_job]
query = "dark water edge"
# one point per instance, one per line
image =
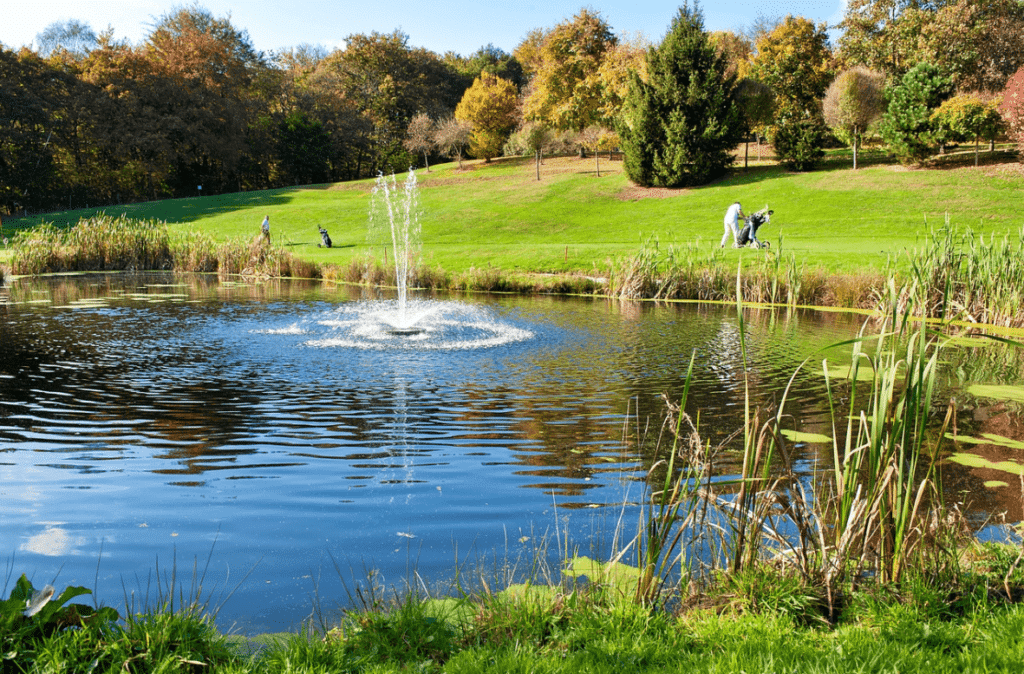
(161, 421)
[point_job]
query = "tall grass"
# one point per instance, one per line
(701, 271)
(877, 511)
(960, 275)
(103, 243)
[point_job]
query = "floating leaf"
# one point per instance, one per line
(988, 439)
(864, 372)
(975, 461)
(530, 592)
(811, 438)
(1012, 393)
(622, 577)
(994, 484)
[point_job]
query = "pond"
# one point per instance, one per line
(153, 422)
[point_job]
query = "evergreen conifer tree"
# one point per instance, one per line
(906, 125)
(680, 126)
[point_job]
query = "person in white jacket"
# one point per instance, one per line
(732, 225)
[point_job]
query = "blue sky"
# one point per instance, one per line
(461, 26)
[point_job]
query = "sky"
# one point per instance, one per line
(461, 26)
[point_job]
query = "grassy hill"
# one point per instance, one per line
(500, 215)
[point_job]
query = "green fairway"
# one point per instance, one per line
(500, 215)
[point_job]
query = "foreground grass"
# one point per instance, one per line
(764, 624)
(498, 215)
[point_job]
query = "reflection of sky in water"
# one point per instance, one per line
(249, 427)
(53, 542)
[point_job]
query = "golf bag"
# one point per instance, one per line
(748, 235)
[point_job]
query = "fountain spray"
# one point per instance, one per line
(398, 210)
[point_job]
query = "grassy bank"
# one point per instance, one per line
(539, 630)
(498, 215)
(955, 274)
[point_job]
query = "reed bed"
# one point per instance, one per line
(959, 275)
(703, 272)
(875, 517)
(104, 243)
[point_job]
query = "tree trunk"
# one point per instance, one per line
(855, 149)
(537, 155)
(976, 142)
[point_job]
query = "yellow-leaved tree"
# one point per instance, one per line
(567, 91)
(490, 106)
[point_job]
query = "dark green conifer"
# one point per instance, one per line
(680, 127)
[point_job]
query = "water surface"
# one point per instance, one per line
(152, 420)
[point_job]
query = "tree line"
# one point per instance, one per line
(87, 119)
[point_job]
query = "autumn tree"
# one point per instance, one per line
(532, 138)
(974, 42)
(452, 137)
(998, 45)
(143, 134)
(26, 164)
(874, 34)
(906, 125)
(420, 136)
(967, 117)
(489, 59)
(567, 92)
(736, 49)
(529, 52)
(854, 100)
(680, 127)
(213, 64)
(489, 106)
(388, 83)
(1011, 107)
(628, 56)
(796, 62)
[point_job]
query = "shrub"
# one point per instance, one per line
(967, 117)
(799, 139)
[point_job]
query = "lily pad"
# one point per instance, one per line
(995, 484)
(1012, 393)
(542, 594)
(622, 577)
(988, 439)
(975, 461)
(810, 438)
(864, 372)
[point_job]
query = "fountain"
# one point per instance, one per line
(404, 324)
(399, 212)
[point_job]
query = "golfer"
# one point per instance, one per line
(266, 228)
(732, 225)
